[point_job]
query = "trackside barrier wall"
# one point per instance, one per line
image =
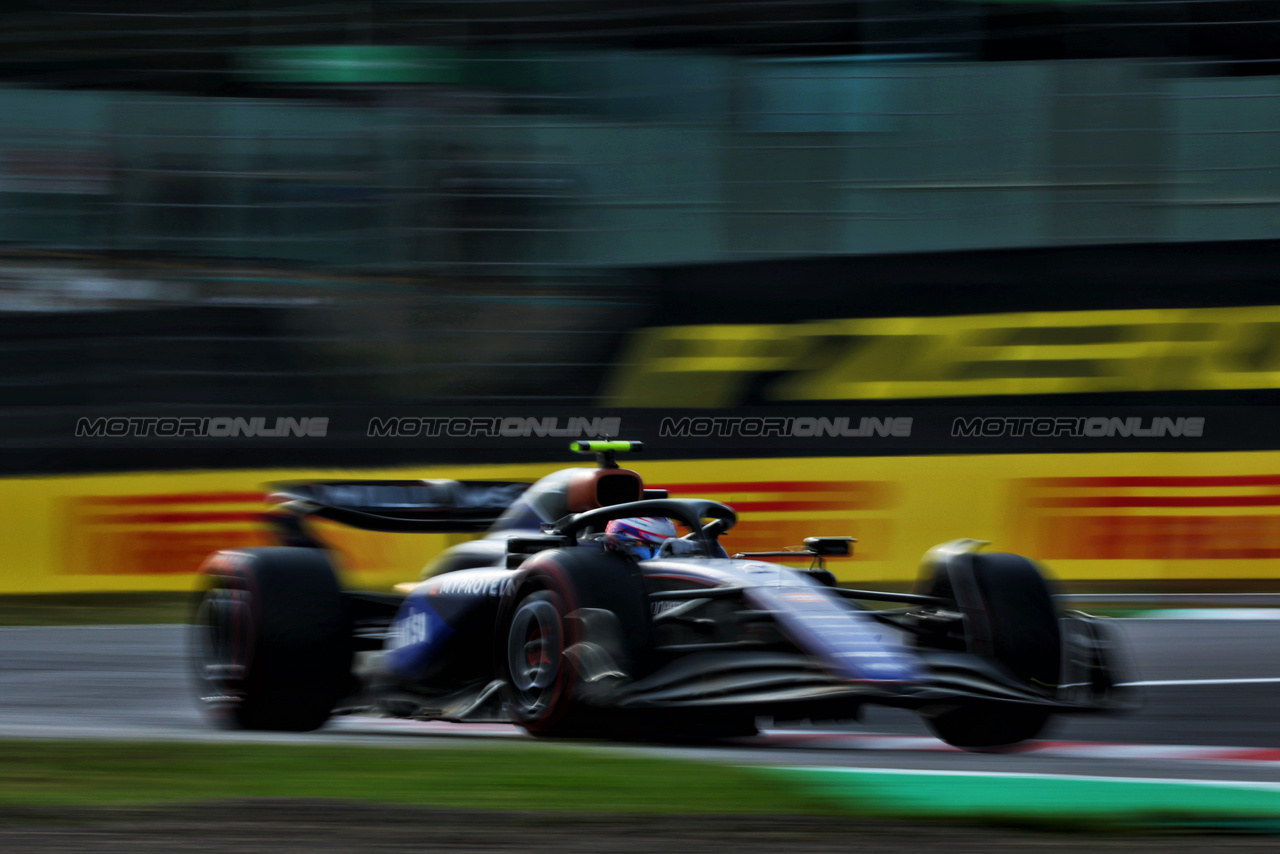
(1090, 517)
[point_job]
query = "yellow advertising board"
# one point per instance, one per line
(908, 358)
(1149, 516)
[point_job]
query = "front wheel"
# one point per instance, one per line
(984, 726)
(574, 626)
(1010, 619)
(539, 685)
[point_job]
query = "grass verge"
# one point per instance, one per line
(511, 777)
(94, 609)
(544, 778)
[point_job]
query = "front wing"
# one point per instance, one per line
(773, 682)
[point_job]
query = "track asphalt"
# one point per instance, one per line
(1204, 746)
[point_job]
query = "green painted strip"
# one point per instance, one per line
(1220, 613)
(988, 796)
(1212, 614)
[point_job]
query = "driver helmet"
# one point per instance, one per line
(640, 537)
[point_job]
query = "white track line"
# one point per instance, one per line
(851, 742)
(1166, 683)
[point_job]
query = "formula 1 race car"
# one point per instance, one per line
(537, 623)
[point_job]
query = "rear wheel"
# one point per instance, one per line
(270, 644)
(1009, 617)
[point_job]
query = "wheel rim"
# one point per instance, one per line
(533, 656)
(223, 640)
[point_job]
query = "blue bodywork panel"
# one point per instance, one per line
(417, 636)
(851, 643)
(434, 611)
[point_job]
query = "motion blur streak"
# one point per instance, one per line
(1040, 353)
(293, 240)
(1212, 522)
(404, 201)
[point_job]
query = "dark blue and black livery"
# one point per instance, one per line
(536, 623)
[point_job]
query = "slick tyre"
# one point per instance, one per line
(1009, 617)
(541, 625)
(270, 641)
(986, 727)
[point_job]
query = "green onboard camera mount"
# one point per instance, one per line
(604, 450)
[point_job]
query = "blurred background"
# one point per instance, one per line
(301, 205)
(349, 190)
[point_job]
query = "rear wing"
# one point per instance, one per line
(397, 506)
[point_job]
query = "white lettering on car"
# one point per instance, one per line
(470, 585)
(410, 630)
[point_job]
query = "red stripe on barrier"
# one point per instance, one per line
(1153, 481)
(1157, 501)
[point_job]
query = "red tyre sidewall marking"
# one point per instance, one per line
(228, 569)
(554, 581)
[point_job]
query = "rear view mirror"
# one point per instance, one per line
(830, 546)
